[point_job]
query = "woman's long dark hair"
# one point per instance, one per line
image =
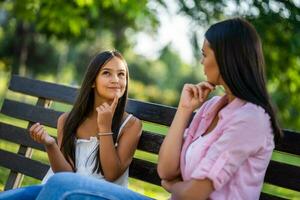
(239, 55)
(83, 106)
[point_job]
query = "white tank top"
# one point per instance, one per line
(85, 152)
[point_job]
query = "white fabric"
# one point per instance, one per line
(85, 153)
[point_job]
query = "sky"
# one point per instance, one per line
(174, 29)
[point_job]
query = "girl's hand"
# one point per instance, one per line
(167, 185)
(105, 115)
(193, 96)
(38, 134)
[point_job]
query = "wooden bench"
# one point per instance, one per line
(20, 163)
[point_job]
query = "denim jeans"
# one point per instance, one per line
(24, 193)
(70, 186)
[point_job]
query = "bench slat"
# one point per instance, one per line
(52, 91)
(19, 136)
(30, 113)
(23, 165)
(290, 142)
(283, 175)
(264, 196)
(150, 142)
(144, 170)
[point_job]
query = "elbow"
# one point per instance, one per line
(166, 174)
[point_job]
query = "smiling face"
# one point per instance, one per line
(111, 80)
(211, 68)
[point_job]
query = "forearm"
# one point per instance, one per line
(169, 154)
(57, 160)
(110, 162)
(193, 189)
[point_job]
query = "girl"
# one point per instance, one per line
(97, 138)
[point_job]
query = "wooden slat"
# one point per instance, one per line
(144, 170)
(23, 165)
(151, 112)
(19, 136)
(290, 142)
(283, 175)
(264, 196)
(150, 142)
(30, 113)
(43, 89)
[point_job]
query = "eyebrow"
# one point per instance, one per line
(109, 69)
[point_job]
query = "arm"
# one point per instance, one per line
(193, 189)
(57, 160)
(115, 161)
(192, 97)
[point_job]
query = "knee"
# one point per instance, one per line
(62, 178)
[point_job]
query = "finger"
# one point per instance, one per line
(195, 91)
(33, 127)
(35, 131)
(209, 85)
(39, 135)
(114, 104)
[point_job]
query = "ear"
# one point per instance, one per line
(93, 86)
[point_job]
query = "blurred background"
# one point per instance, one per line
(161, 41)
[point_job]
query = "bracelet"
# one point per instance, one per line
(103, 134)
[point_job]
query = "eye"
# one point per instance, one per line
(105, 72)
(121, 74)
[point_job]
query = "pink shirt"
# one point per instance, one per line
(235, 157)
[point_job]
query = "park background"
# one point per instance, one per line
(55, 40)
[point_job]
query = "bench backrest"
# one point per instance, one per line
(278, 173)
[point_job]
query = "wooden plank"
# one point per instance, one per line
(18, 135)
(150, 142)
(15, 179)
(30, 113)
(151, 112)
(290, 142)
(47, 90)
(283, 175)
(21, 164)
(264, 196)
(144, 170)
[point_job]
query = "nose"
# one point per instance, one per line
(114, 78)
(201, 60)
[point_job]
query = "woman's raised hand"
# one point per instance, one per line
(105, 115)
(40, 135)
(193, 96)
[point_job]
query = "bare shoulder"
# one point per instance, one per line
(134, 125)
(61, 119)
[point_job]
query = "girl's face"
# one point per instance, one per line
(111, 80)
(211, 68)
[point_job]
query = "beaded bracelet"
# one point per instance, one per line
(103, 134)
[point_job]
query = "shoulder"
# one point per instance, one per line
(61, 120)
(133, 124)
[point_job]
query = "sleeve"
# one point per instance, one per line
(243, 136)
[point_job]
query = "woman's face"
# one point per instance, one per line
(111, 80)
(211, 68)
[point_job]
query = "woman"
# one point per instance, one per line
(97, 138)
(225, 151)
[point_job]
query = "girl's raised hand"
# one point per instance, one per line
(193, 96)
(40, 135)
(105, 115)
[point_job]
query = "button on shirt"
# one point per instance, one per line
(235, 154)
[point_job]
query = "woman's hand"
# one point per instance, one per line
(40, 135)
(193, 96)
(105, 115)
(167, 185)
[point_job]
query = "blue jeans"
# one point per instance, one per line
(70, 186)
(24, 193)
